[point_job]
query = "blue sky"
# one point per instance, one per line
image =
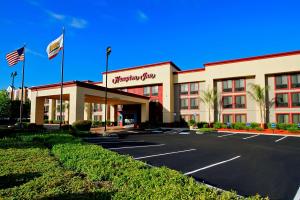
(188, 32)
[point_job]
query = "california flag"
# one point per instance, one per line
(55, 46)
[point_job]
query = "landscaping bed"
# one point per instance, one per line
(60, 166)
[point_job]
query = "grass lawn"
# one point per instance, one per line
(60, 166)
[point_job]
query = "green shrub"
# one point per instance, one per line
(203, 130)
(254, 125)
(46, 121)
(66, 127)
(218, 125)
(282, 126)
(201, 124)
(293, 130)
(205, 126)
(56, 121)
(96, 124)
(192, 122)
(239, 126)
(259, 129)
(224, 126)
(82, 125)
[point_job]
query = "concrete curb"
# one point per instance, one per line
(257, 133)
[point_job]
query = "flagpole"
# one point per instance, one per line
(108, 50)
(22, 94)
(62, 77)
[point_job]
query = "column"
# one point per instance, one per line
(145, 112)
(76, 105)
(52, 109)
(87, 111)
(37, 109)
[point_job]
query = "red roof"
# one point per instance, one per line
(144, 66)
(253, 58)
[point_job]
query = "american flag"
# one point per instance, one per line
(15, 56)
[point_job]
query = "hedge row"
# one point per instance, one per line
(130, 179)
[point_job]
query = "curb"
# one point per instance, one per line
(257, 133)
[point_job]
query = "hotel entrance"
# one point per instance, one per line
(131, 115)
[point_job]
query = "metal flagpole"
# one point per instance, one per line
(62, 77)
(108, 50)
(22, 94)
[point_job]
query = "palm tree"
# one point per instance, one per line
(258, 94)
(209, 97)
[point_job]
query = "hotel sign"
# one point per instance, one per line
(143, 77)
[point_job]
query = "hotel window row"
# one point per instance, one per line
(189, 88)
(189, 103)
(234, 118)
(287, 81)
(239, 101)
(151, 90)
(288, 118)
(286, 100)
(237, 85)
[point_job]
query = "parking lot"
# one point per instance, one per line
(247, 163)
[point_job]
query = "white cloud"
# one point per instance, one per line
(78, 23)
(56, 16)
(72, 21)
(142, 17)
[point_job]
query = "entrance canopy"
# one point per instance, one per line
(78, 93)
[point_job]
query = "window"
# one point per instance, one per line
(46, 101)
(240, 101)
(296, 118)
(282, 100)
(184, 89)
(184, 103)
(147, 91)
(239, 85)
(296, 99)
(281, 82)
(240, 118)
(282, 118)
(154, 90)
(194, 103)
(227, 86)
(97, 107)
(295, 79)
(227, 102)
(194, 88)
(46, 109)
(227, 118)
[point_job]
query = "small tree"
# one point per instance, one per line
(209, 97)
(4, 104)
(258, 94)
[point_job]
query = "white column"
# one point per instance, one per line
(37, 109)
(145, 112)
(76, 105)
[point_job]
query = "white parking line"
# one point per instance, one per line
(297, 196)
(163, 154)
(114, 142)
(246, 138)
(133, 147)
(209, 166)
(281, 139)
(227, 135)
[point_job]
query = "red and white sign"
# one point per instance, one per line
(143, 77)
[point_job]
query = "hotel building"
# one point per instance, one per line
(164, 93)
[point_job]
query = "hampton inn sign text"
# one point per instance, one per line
(142, 77)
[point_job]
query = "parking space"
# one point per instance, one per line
(247, 163)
